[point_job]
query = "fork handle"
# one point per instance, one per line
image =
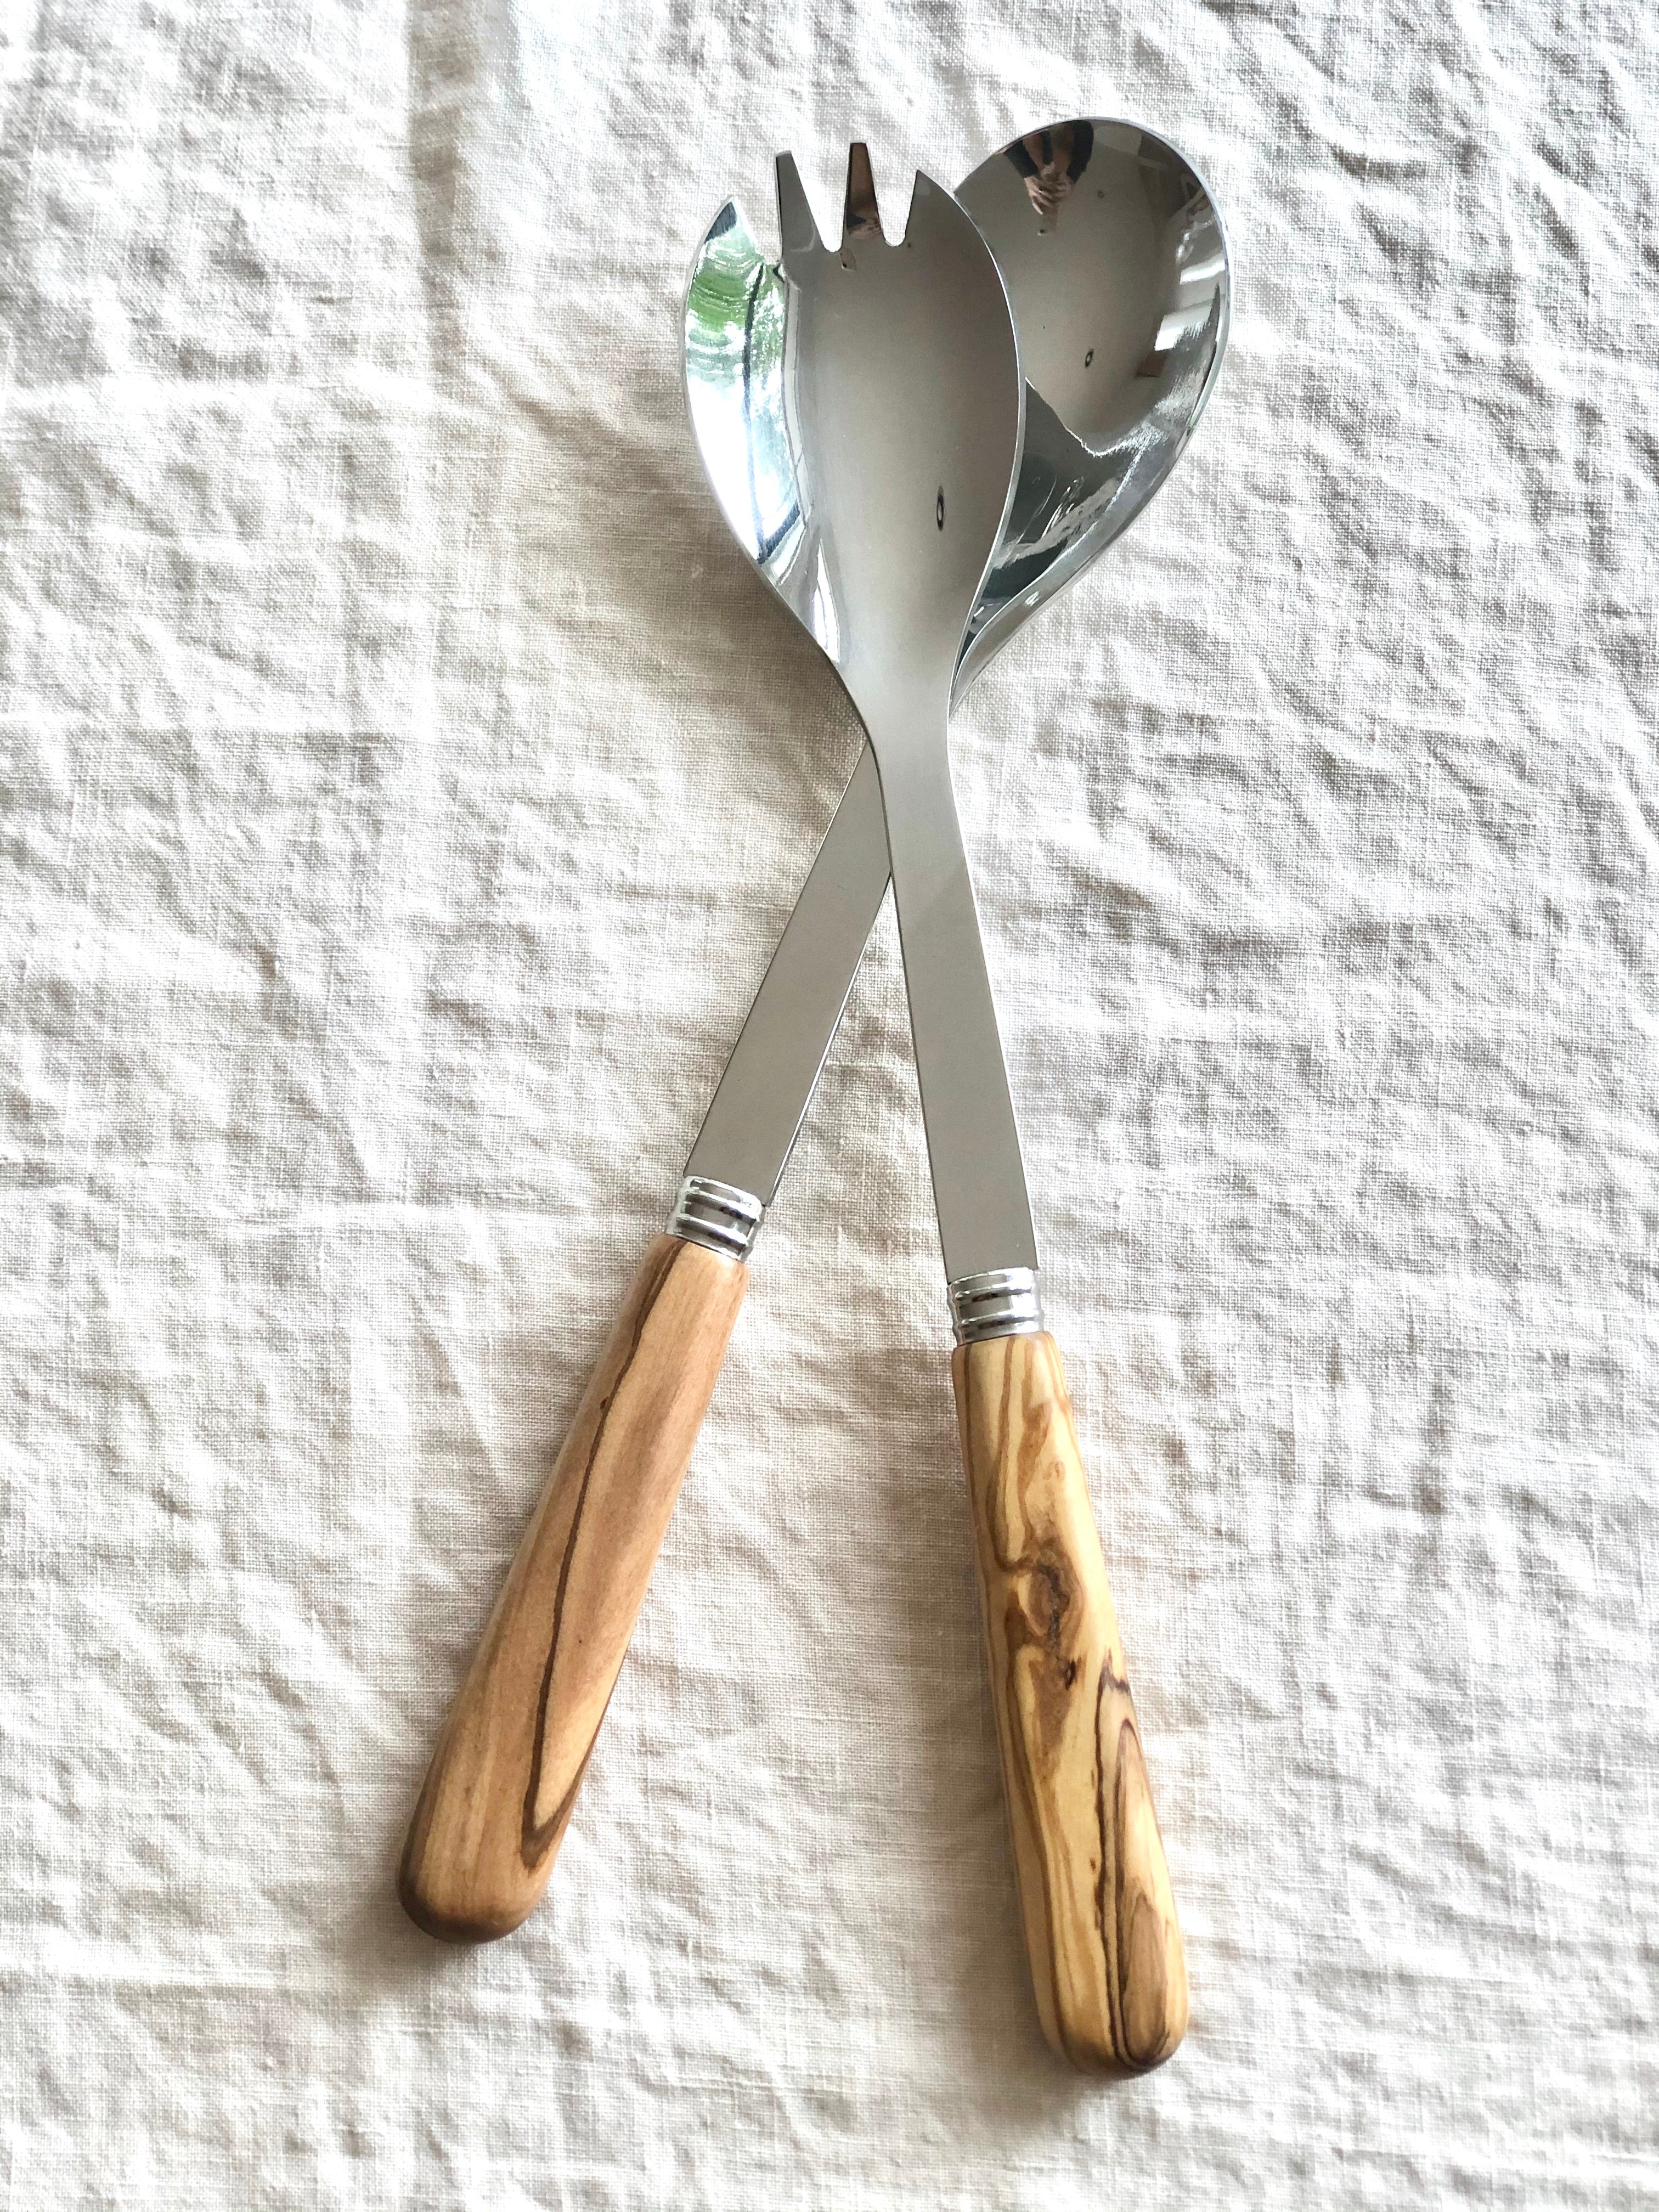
(502, 1783)
(1100, 1932)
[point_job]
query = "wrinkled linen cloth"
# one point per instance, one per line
(405, 778)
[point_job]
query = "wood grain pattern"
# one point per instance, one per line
(1107, 1961)
(504, 1780)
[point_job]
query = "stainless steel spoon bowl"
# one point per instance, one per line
(1120, 290)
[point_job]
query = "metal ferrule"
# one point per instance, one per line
(717, 1215)
(1002, 1301)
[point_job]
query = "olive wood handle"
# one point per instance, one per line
(1107, 1962)
(499, 1793)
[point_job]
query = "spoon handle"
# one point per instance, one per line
(1100, 1932)
(502, 1783)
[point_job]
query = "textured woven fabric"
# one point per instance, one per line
(404, 779)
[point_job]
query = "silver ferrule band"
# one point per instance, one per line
(717, 1215)
(1002, 1301)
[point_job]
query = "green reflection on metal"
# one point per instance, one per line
(735, 315)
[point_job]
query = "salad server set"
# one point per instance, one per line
(917, 444)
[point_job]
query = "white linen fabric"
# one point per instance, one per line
(405, 781)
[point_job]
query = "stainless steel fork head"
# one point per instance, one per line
(871, 521)
(902, 379)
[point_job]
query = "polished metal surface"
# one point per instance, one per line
(755, 1115)
(1116, 265)
(1112, 253)
(861, 410)
(717, 1215)
(1003, 1301)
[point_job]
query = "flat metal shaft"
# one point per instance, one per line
(973, 1140)
(756, 1114)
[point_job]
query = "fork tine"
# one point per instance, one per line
(927, 200)
(799, 232)
(862, 217)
